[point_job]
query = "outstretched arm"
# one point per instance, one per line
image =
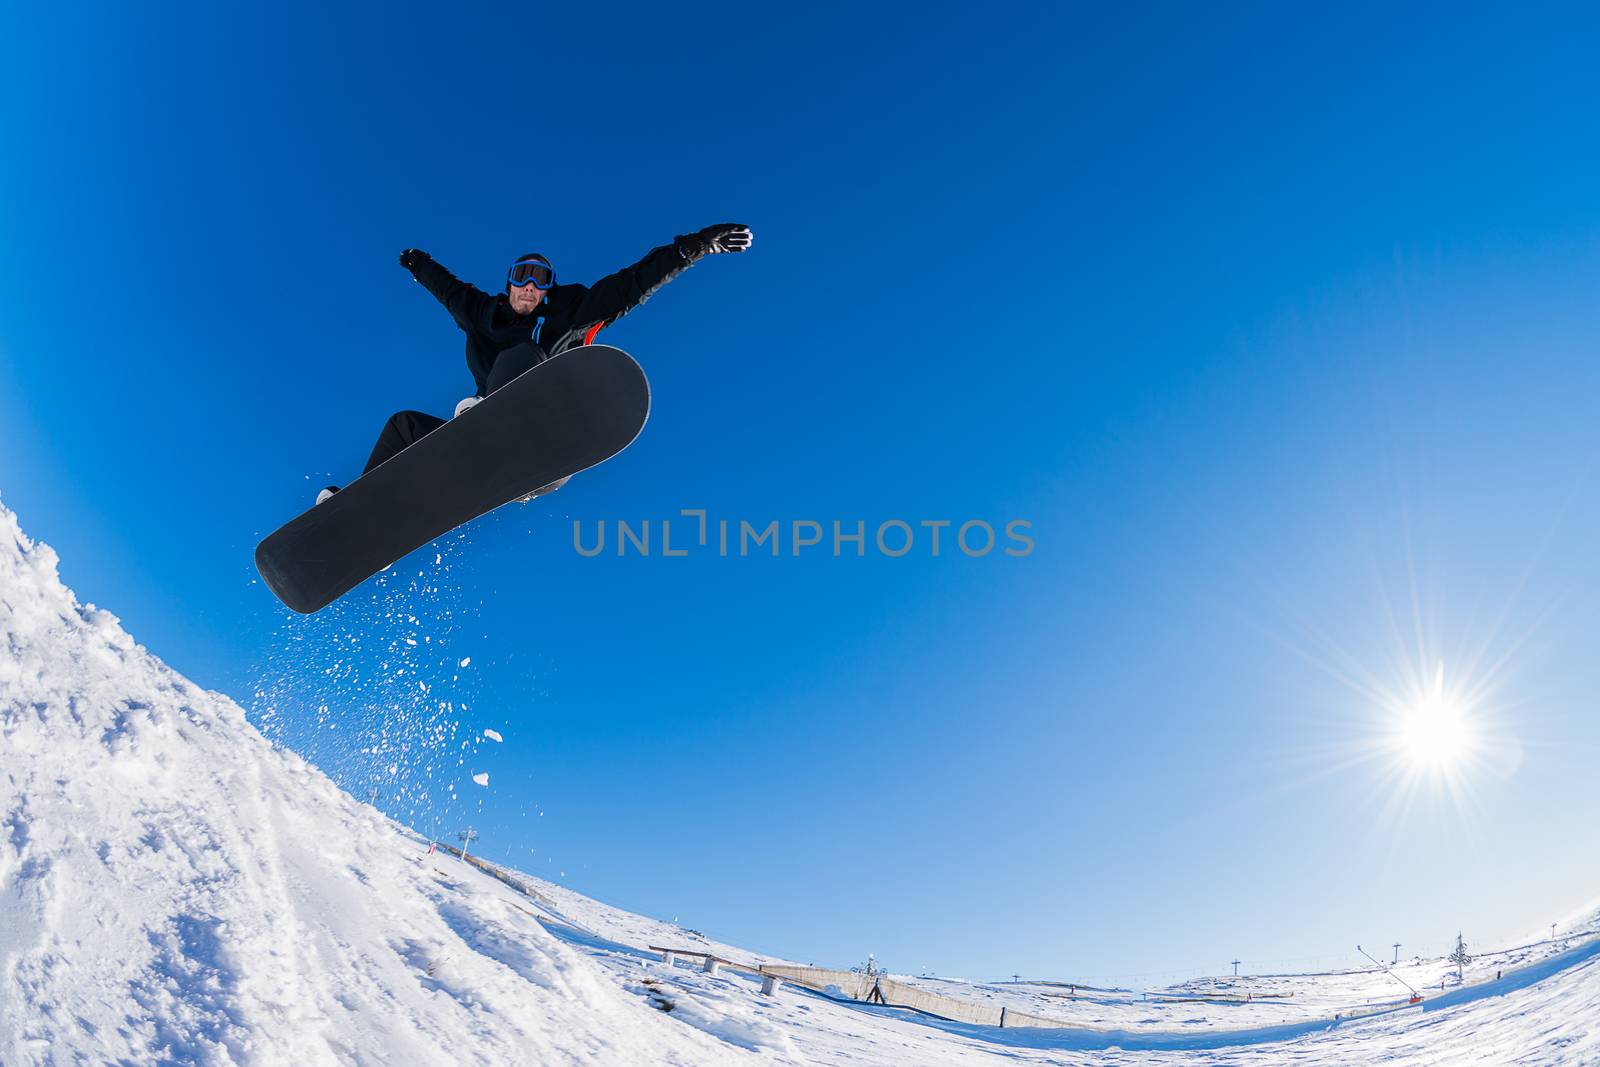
(467, 304)
(615, 295)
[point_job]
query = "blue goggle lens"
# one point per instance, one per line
(531, 272)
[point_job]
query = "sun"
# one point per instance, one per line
(1434, 734)
(1428, 728)
(1434, 731)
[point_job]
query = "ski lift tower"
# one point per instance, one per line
(1460, 958)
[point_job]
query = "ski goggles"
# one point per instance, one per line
(535, 272)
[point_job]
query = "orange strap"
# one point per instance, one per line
(588, 336)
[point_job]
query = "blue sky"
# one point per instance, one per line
(1278, 327)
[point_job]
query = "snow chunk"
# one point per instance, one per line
(493, 735)
(481, 779)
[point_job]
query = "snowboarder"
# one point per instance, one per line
(535, 319)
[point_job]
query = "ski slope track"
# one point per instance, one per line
(174, 889)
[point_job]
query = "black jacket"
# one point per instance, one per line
(569, 315)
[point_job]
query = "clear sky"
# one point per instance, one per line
(1278, 327)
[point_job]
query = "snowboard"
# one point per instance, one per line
(562, 416)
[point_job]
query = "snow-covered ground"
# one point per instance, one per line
(174, 889)
(1545, 1009)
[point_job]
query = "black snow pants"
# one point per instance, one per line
(406, 428)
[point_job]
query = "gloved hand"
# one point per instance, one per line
(412, 258)
(723, 237)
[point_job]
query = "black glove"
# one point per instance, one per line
(723, 237)
(412, 258)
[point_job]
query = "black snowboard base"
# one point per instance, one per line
(565, 415)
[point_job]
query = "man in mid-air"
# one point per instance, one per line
(535, 319)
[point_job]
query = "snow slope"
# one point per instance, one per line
(175, 890)
(1546, 1010)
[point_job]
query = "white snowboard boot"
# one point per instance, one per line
(326, 492)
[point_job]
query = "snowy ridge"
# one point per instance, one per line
(173, 889)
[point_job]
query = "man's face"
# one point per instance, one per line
(524, 298)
